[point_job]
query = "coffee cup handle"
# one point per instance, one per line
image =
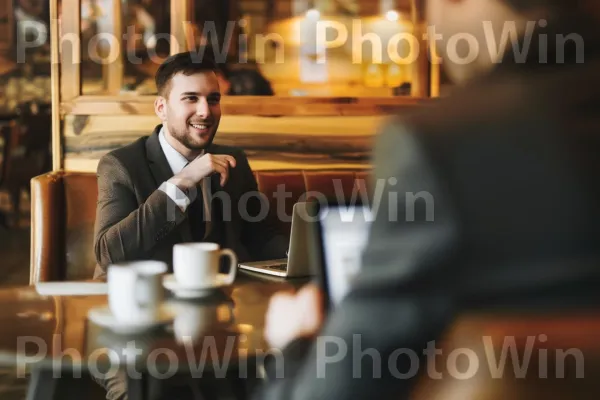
(140, 295)
(232, 265)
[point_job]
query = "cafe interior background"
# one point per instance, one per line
(319, 107)
(288, 103)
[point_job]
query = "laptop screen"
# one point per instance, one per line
(344, 232)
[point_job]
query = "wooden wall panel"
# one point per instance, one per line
(270, 106)
(70, 49)
(7, 24)
(270, 143)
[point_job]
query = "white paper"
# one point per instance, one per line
(71, 288)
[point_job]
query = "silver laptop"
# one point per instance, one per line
(301, 250)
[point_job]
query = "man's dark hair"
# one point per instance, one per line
(187, 63)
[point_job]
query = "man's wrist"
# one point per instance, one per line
(185, 184)
(180, 198)
(188, 186)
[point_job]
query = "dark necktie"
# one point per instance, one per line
(200, 225)
(196, 217)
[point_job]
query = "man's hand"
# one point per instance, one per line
(203, 167)
(291, 316)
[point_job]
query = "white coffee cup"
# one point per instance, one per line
(197, 265)
(135, 291)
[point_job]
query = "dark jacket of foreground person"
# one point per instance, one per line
(512, 162)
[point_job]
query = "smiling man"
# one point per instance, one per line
(176, 185)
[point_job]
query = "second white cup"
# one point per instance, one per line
(135, 292)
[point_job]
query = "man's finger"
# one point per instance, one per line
(220, 162)
(230, 160)
(224, 172)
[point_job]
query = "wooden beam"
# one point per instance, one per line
(332, 145)
(7, 19)
(181, 26)
(55, 82)
(435, 75)
(280, 143)
(273, 106)
(369, 7)
(100, 129)
(114, 69)
(298, 140)
(79, 164)
(70, 48)
(420, 80)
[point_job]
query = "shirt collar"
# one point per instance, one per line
(175, 159)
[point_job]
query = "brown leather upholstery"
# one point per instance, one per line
(557, 357)
(63, 210)
(322, 185)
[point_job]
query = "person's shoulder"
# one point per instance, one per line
(228, 150)
(126, 156)
(436, 123)
(503, 97)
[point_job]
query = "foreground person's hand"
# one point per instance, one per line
(291, 316)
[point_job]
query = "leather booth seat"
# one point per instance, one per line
(520, 356)
(63, 211)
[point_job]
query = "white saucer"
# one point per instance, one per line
(103, 316)
(186, 292)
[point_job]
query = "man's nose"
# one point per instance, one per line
(202, 108)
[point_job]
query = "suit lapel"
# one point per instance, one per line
(161, 171)
(159, 166)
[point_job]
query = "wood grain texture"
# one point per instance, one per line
(56, 87)
(274, 106)
(70, 48)
(283, 142)
(181, 17)
(114, 70)
(7, 23)
(76, 163)
(127, 125)
(270, 143)
(282, 147)
(420, 84)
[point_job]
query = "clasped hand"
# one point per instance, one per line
(202, 167)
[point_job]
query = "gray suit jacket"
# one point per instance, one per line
(136, 221)
(510, 169)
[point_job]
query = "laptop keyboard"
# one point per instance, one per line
(279, 267)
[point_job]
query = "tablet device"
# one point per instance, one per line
(343, 233)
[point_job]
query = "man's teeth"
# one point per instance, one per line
(199, 126)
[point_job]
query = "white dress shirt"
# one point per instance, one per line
(177, 162)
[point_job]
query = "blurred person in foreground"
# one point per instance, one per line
(510, 160)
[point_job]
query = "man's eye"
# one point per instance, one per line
(190, 98)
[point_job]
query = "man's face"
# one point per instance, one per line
(192, 110)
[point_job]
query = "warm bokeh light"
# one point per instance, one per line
(392, 15)
(313, 14)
